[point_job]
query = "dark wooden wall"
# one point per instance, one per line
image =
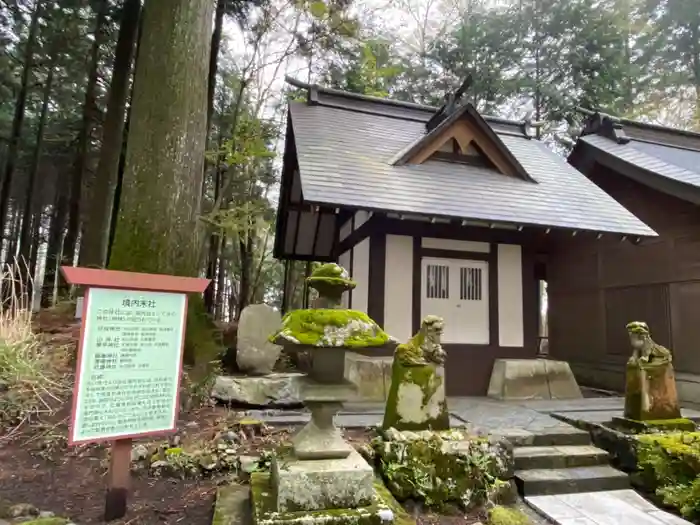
(597, 286)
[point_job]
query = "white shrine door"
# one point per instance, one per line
(457, 291)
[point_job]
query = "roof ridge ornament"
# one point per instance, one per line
(452, 102)
(603, 124)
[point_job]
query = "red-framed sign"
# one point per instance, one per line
(129, 363)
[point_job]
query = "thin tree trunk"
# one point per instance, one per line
(34, 253)
(214, 59)
(220, 279)
(53, 250)
(14, 230)
(88, 121)
(246, 248)
(18, 119)
(93, 249)
(26, 232)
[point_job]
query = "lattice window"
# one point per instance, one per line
(470, 285)
(438, 281)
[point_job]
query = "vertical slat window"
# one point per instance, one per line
(437, 282)
(470, 284)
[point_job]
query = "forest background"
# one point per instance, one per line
(66, 86)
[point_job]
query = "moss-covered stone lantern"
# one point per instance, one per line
(322, 471)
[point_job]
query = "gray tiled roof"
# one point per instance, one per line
(344, 160)
(678, 164)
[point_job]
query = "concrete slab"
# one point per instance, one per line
(620, 507)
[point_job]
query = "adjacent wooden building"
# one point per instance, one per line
(436, 211)
(595, 288)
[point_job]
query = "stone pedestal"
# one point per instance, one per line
(320, 438)
(651, 392)
(416, 398)
(309, 485)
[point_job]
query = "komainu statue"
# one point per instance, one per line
(416, 398)
(650, 393)
(644, 349)
(424, 347)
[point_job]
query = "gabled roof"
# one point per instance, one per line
(667, 159)
(346, 146)
(465, 125)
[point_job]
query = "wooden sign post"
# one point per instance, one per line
(127, 381)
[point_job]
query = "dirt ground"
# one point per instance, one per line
(38, 468)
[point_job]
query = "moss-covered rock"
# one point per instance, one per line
(321, 327)
(500, 515)
(438, 468)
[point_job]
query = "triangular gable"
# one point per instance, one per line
(466, 129)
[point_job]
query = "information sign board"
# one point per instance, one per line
(129, 364)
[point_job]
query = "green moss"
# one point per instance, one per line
(202, 340)
(328, 327)
(47, 521)
(507, 516)
(669, 464)
(264, 508)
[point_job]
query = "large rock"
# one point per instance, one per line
(282, 389)
(440, 467)
(533, 379)
(255, 353)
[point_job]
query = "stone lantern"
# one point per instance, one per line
(321, 471)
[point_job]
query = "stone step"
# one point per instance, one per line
(561, 436)
(570, 480)
(559, 457)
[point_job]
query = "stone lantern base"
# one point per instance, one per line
(381, 509)
(321, 484)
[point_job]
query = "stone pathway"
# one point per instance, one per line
(617, 507)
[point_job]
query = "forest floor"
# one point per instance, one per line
(40, 470)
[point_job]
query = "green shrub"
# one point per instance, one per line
(670, 465)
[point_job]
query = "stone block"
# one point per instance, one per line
(283, 389)
(371, 375)
(382, 509)
(321, 484)
(532, 379)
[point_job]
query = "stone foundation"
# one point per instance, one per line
(533, 379)
(272, 390)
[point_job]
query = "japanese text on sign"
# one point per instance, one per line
(130, 364)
